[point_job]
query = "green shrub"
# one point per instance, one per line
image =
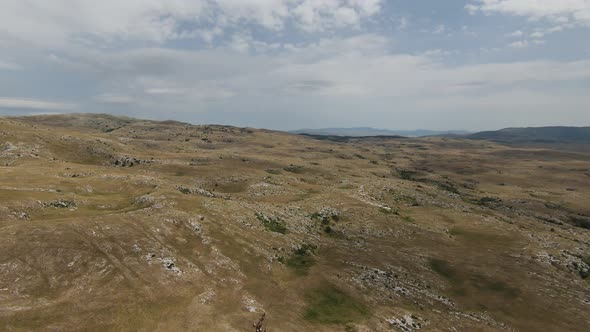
(388, 211)
(406, 175)
(443, 268)
(272, 224)
(408, 219)
(488, 200)
(301, 260)
(330, 305)
(294, 169)
(580, 221)
(447, 186)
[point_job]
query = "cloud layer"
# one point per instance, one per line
(299, 63)
(558, 11)
(61, 22)
(28, 104)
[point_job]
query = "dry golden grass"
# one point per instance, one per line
(464, 235)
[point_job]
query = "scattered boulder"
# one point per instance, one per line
(574, 263)
(326, 215)
(195, 224)
(170, 265)
(61, 204)
(201, 192)
(127, 161)
(328, 212)
(22, 215)
(407, 323)
(198, 191)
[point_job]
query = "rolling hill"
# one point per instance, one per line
(121, 224)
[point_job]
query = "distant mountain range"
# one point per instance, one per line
(531, 135)
(367, 131)
(536, 135)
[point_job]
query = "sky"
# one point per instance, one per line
(291, 64)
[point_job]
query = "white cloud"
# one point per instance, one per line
(516, 34)
(403, 23)
(15, 103)
(436, 53)
(209, 35)
(320, 15)
(468, 32)
(165, 91)
(440, 29)
(366, 7)
(9, 66)
(241, 43)
(337, 67)
(519, 44)
(555, 11)
(113, 98)
(526, 43)
(63, 22)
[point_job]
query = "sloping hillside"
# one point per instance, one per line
(123, 224)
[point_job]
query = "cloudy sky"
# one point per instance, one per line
(289, 64)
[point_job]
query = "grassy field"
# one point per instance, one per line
(119, 224)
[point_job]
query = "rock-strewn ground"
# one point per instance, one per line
(121, 224)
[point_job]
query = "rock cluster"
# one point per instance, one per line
(201, 192)
(407, 323)
(61, 204)
(567, 260)
(128, 161)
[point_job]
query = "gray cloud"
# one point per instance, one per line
(9, 66)
(28, 104)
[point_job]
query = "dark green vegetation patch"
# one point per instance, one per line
(330, 305)
(301, 260)
(294, 169)
(462, 281)
(488, 201)
(579, 221)
(443, 268)
(448, 186)
(406, 174)
(272, 224)
(273, 171)
(385, 210)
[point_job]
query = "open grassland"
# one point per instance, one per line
(120, 224)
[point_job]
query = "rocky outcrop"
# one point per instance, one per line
(127, 161)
